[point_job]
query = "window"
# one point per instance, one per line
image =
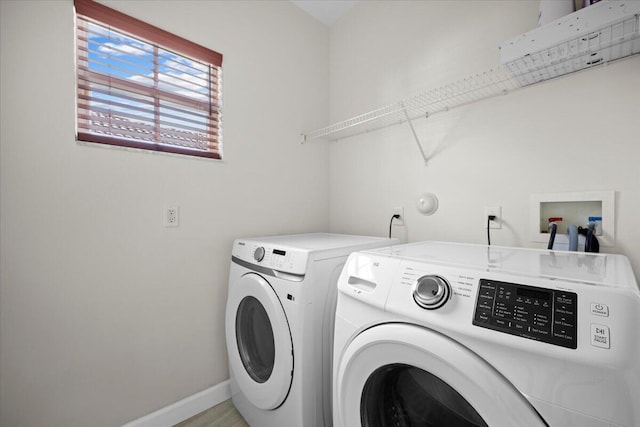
(142, 87)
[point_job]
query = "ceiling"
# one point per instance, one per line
(325, 11)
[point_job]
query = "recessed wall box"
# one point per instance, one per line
(602, 32)
(575, 208)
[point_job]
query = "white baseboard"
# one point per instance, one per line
(185, 408)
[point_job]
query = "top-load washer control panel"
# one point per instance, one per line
(540, 314)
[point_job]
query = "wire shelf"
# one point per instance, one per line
(598, 34)
(484, 85)
(602, 45)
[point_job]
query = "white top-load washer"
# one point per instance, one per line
(445, 334)
(279, 325)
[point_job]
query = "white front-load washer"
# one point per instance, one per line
(279, 325)
(444, 334)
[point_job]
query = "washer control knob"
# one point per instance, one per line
(258, 254)
(431, 292)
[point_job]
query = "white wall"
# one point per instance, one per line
(575, 133)
(105, 314)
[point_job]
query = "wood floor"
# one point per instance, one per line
(222, 415)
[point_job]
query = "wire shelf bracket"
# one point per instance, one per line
(415, 135)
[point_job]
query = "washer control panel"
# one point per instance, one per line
(282, 259)
(539, 314)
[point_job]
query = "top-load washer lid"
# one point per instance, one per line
(589, 268)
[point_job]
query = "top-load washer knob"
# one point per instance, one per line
(258, 254)
(431, 292)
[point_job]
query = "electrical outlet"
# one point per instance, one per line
(398, 211)
(493, 210)
(172, 216)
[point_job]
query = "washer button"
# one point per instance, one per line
(599, 309)
(600, 336)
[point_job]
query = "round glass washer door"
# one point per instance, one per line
(258, 342)
(405, 375)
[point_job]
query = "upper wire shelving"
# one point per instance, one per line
(490, 83)
(606, 32)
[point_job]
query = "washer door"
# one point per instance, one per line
(259, 342)
(405, 375)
